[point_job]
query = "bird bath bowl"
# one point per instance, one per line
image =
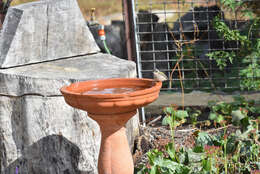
(111, 103)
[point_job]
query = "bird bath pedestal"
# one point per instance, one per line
(111, 103)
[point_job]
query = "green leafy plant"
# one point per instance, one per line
(160, 164)
(193, 115)
(174, 118)
(236, 112)
(212, 154)
(248, 54)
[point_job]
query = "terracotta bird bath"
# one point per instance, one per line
(111, 103)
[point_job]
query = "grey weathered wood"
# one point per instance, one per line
(43, 31)
(46, 78)
(39, 132)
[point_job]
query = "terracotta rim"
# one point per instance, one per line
(154, 86)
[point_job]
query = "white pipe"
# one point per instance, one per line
(137, 56)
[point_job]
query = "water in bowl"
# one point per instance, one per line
(119, 90)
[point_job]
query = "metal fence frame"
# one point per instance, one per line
(223, 80)
(134, 35)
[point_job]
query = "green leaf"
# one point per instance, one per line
(213, 116)
(180, 114)
(174, 167)
(203, 139)
(232, 144)
(169, 110)
(141, 170)
(183, 156)
(153, 170)
(167, 120)
(245, 122)
(220, 118)
(216, 117)
(237, 115)
(170, 150)
(206, 164)
(153, 156)
(226, 108)
(198, 149)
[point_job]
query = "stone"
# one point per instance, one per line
(39, 132)
(43, 31)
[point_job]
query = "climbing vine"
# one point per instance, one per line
(248, 54)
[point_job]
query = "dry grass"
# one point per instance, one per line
(103, 7)
(108, 7)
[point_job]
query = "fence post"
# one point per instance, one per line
(129, 29)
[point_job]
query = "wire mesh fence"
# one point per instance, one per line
(207, 44)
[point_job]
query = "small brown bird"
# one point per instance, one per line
(159, 76)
